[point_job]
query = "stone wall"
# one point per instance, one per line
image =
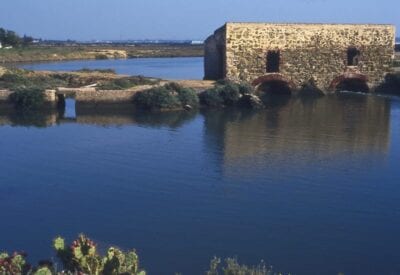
(307, 51)
(91, 95)
(214, 55)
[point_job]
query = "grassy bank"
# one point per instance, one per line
(59, 53)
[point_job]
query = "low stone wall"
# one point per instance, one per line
(91, 95)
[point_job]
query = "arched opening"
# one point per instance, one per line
(275, 87)
(353, 85)
(274, 83)
(350, 82)
(274, 93)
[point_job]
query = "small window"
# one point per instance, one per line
(273, 61)
(353, 56)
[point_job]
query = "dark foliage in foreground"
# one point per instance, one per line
(169, 97)
(81, 257)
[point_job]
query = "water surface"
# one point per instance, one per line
(311, 187)
(166, 68)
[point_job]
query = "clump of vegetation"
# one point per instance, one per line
(232, 267)
(168, 97)
(126, 83)
(391, 85)
(104, 71)
(225, 93)
(101, 57)
(23, 79)
(13, 264)
(28, 98)
(81, 257)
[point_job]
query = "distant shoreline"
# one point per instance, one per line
(100, 52)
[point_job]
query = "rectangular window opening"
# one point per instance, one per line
(353, 56)
(273, 61)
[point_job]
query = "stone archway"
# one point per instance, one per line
(355, 82)
(276, 82)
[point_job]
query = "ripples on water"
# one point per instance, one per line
(311, 187)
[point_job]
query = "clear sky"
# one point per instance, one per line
(177, 19)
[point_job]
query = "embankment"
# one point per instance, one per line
(80, 52)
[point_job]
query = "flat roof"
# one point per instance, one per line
(310, 24)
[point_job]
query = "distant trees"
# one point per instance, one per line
(11, 38)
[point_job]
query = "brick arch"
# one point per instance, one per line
(348, 76)
(274, 77)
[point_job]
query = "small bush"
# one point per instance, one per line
(105, 71)
(157, 98)
(225, 93)
(101, 57)
(170, 96)
(232, 267)
(28, 99)
(211, 98)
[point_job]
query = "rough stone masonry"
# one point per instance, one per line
(326, 54)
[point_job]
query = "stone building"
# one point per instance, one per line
(332, 56)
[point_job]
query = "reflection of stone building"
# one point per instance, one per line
(303, 131)
(296, 53)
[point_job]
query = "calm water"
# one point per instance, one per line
(166, 68)
(311, 187)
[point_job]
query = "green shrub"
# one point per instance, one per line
(232, 267)
(28, 99)
(211, 98)
(21, 79)
(101, 57)
(157, 98)
(170, 96)
(82, 257)
(105, 71)
(225, 93)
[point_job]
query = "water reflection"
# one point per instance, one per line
(99, 115)
(299, 132)
(300, 184)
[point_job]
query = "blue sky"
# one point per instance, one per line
(177, 19)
